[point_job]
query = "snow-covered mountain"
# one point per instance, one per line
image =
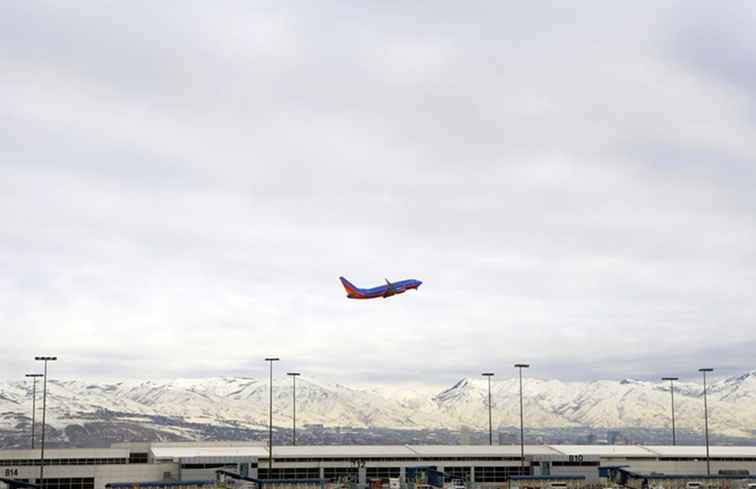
(172, 408)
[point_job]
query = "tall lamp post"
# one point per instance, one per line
(34, 378)
(490, 419)
(43, 359)
(270, 419)
(294, 376)
(706, 419)
(521, 366)
(672, 391)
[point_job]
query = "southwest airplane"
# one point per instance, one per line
(381, 291)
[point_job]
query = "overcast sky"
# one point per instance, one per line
(181, 184)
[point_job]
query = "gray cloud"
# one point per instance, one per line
(181, 186)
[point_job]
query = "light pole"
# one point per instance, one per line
(43, 359)
(706, 420)
(294, 376)
(34, 378)
(270, 419)
(490, 420)
(521, 366)
(672, 391)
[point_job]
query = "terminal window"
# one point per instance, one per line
(64, 461)
(209, 466)
(138, 458)
(498, 474)
(298, 473)
(575, 464)
(462, 473)
(384, 473)
(340, 473)
(68, 483)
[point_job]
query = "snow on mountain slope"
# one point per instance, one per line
(243, 403)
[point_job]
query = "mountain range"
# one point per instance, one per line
(192, 408)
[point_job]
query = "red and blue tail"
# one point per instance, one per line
(352, 291)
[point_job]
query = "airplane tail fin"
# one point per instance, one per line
(349, 287)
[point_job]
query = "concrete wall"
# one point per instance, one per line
(102, 474)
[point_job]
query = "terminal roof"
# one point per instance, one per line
(55, 453)
(700, 451)
(176, 452)
(333, 451)
(480, 450)
(605, 450)
(237, 449)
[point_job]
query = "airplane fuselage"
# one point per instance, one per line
(388, 290)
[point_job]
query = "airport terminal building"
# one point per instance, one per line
(478, 466)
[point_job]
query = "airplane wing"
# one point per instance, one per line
(393, 289)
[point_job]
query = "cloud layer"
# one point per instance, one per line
(181, 185)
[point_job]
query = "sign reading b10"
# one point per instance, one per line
(576, 458)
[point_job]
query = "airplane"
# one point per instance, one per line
(381, 291)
